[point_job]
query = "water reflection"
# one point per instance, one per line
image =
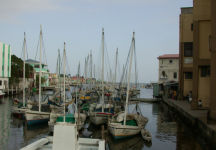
(133, 143)
(167, 133)
(4, 123)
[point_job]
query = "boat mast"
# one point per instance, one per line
(85, 70)
(116, 65)
(40, 68)
(136, 73)
(129, 74)
(91, 64)
(59, 71)
(102, 74)
(24, 53)
(91, 69)
(64, 77)
(94, 71)
(78, 72)
(87, 66)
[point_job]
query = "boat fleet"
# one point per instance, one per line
(101, 104)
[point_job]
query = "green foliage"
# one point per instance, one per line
(43, 80)
(17, 70)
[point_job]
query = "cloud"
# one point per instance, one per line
(10, 9)
(125, 1)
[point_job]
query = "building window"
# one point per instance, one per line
(163, 74)
(188, 75)
(170, 61)
(0, 82)
(188, 49)
(175, 75)
(37, 66)
(205, 71)
(192, 27)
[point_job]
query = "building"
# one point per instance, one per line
(186, 52)
(201, 20)
(77, 79)
(5, 65)
(168, 68)
(44, 71)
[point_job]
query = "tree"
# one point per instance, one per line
(43, 80)
(17, 70)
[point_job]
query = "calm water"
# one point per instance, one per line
(167, 133)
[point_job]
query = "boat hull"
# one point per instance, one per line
(34, 117)
(119, 131)
(99, 118)
(19, 112)
(146, 135)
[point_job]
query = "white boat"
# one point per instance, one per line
(134, 124)
(66, 138)
(37, 117)
(101, 117)
(80, 120)
(59, 112)
(124, 125)
(1, 94)
(98, 118)
(146, 135)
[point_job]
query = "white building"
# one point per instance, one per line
(5, 65)
(168, 67)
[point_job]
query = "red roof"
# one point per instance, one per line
(168, 56)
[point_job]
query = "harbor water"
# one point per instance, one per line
(168, 132)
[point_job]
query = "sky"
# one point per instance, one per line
(79, 23)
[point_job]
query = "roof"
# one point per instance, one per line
(169, 56)
(187, 10)
(32, 61)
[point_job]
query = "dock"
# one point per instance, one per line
(146, 100)
(196, 119)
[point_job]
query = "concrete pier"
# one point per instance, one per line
(147, 100)
(196, 119)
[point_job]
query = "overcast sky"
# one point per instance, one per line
(79, 24)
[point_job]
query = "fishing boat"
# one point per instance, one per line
(124, 125)
(58, 113)
(133, 125)
(37, 117)
(1, 94)
(97, 116)
(66, 137)
(85, 96)
(146, 135)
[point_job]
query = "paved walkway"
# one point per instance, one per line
(184, 106)
(197, 118)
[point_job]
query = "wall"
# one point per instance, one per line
(187, 86)
(204, 32)
(4, 84)
(204, 90)
(202, 9)
(169, 68)
(5, 60)
(202, 56)
(186, 63)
